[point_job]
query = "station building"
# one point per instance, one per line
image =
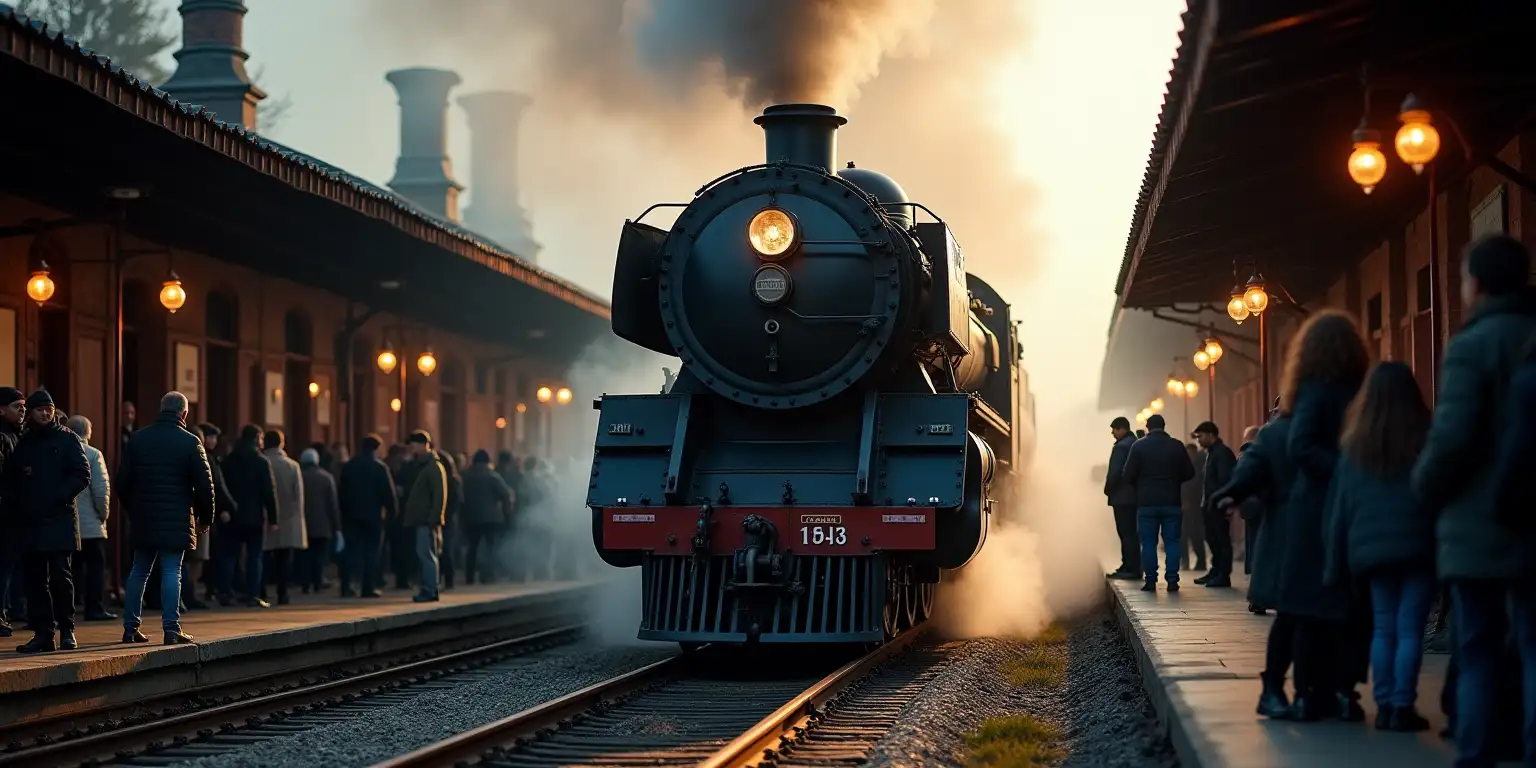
(152, 239)
(1275, 123)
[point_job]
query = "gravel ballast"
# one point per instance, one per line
(433, 715)
(1105, 718)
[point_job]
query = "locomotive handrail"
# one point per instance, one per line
(766, 166)
(654, 206)
(831, 318)
(923, 208)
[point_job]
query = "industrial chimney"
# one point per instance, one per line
(493, 196)
(423, 173)
(210, 67)
(803, 134)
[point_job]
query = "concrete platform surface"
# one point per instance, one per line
(222, 633)
(1201, 653)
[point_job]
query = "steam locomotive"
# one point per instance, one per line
(849, 413)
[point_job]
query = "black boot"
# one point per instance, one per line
(41, 642)
(134, 636)
(1347, 707)
(1272, 703)
(1407, 720)
(177, 638)
(67, 640)
(1383, 717)
(1150, 586)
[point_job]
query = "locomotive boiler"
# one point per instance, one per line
(849, 413)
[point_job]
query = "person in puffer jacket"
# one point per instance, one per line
(94, 506)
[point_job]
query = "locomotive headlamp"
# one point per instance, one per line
(772, 233)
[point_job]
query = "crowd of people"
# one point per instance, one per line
(1364, 506)
(234, 523)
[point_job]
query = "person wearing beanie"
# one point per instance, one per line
(38, 486)
(426, 502)
(165, 486)
(1219, 463)
(291, 536)
(1122, 500)
(248, 475)
(322, 520)
(486, 514)
(13, 411)
(1157, 466)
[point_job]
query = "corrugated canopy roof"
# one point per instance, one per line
(1248, 162)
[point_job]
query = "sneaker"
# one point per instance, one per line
(134, 636)
(1219, 583)
(1272, 704)
(1203, 579)
(67, 640)
(1173, 586)
(177, 638)
(256, 602)
(41, 642)
(1150, 586)
(424, 599)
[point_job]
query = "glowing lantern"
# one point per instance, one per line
(387, 360)
(1237, 309)
(544, 395)
(314, 389)
(1202, 360)
(1175, 387)
(394, 404)
(1213, 350)
(563, 396)
(1157, 405)
(501, 422)
(1191, 388)
(172, 295)
(426, 363)
(40, 285)
(1367, 165)
(1417, 140)
(1255, 298)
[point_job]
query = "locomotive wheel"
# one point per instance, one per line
(925, 596)
(909, 599)
(892, 614)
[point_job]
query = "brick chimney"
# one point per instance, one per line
(423, 173)
(210, 67)
(493, 203)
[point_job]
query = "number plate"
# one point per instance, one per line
(620, 429)
(823, 535)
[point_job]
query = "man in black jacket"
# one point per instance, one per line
(223, 510)
(249, 476)
(165, 484)
(368, 500)
(1219, 462)
(39, 484)
(1122, 499)
(13, 412)
(1156, 468)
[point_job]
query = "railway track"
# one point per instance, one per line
(669, 713)
(267, 709)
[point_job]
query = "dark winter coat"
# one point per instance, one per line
(1190, 491)
(1374, 523)
(455, 498)
(1514, 475)
(1219, 462)
(367, 492)
(39, 483)
(322, 510)
(1454, 476)
(8, 438)
(1266, 472)
(223, 501)
(487, 499)
(166, 487)
(249, 476)
(1316, 421)
(1157, 466)
(1118, 492)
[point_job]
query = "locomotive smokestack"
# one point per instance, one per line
(804, 134)
(423, 173)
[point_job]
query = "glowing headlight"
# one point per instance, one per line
(772, 233)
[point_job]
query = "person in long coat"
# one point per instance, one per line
(486, 513)
(164, 483)
(322, 519)
(1265, 470)
(291, 534)
(368, 503)
(38, 487)
(1323, 373)
(94, 508)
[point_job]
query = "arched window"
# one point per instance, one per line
(298, 336)
(221, 321)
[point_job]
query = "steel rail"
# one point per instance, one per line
(106, 744)
(471, 744)
(787, 725)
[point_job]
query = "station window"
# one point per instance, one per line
(1423, 289)
(1373, 314)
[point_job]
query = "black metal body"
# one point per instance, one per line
(867, 391)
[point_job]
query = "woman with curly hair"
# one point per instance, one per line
(1379, 534)
(1323, 371)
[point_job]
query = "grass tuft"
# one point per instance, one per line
(1038, 667)
(1055, 634)
(1016, 741)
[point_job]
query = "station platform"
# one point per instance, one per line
(1201, 652)
(237, 643)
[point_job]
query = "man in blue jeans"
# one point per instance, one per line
(166, 486)
(1157, 468)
